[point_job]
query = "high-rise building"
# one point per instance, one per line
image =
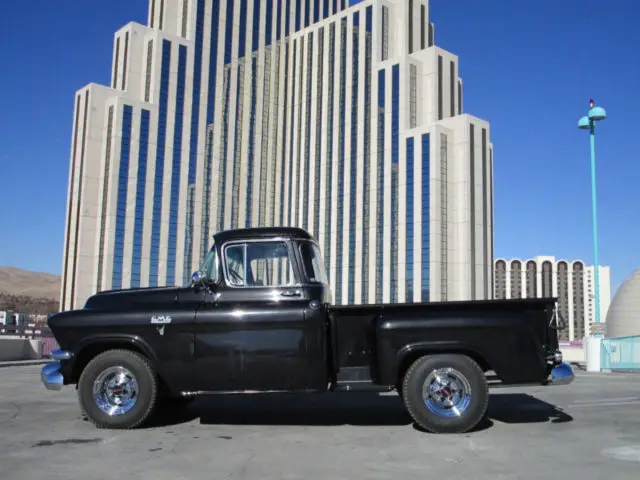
(346, 121)
(571, 282)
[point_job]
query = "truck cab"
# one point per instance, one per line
(258, 318)
(265, 298)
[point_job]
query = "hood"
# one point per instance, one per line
(135, 298)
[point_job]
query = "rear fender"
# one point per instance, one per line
(410, 353)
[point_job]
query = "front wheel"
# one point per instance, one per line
(445, 393)
(118, 389)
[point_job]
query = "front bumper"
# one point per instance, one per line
(561, 374)
(50, 374)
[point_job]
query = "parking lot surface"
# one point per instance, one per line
(587, 430)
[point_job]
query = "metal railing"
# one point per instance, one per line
(621, 353)
(32, 332)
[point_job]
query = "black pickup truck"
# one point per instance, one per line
(258, 317)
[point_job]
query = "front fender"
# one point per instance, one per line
(87, 345)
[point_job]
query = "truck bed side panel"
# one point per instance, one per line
(506, 337)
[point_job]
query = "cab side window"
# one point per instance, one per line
(259, 264)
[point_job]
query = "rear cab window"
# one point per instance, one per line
(313, 263)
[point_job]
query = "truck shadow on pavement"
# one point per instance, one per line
(362, 409)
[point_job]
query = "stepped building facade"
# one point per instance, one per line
(344, 120)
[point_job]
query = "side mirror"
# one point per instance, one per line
(196, 278)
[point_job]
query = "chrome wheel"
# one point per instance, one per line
(447, 392)
(115, 391)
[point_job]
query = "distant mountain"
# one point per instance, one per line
(15, 281)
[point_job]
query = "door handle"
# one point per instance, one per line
(291, 293)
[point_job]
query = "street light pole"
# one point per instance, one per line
(588, 122)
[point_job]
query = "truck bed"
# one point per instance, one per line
(371, 343)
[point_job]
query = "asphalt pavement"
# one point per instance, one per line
(587, 430)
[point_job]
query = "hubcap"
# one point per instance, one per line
(115, 391)
(447, 392)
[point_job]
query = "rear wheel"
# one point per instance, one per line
(118, 389)
(445, 393)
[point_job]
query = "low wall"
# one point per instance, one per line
(573, 354)
(16, 348)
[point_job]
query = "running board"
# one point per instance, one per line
(359, 386)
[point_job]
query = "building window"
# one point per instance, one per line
(353, 164)
(318, 146)
(423, 27)
(395, 160)
(563, 301)
(307, 157)
(444, 222)
(116, 65)
(141, 181)
(193, 148)
(185, 17)
(380, 188)
(532, 279)
(547, 280)
(161, 22)
(367, 154)
(224, 146)
(206, 196)
(251, 141)
(341, 158)
(472, 195)
(237, 147)
(410, 24)
(413, 95)
(147, 81)
(154, 253)
(175, 171)
(266, 204)
(385, 33)
(286, 110)
(256, 27)
(125, 61)
(410, 220)
(329, 156)
(426, 205)
(501, 280)
(242, 35)
(228, 32)
(452, 89)
(153, 13)
(121, 212)
(516, 279)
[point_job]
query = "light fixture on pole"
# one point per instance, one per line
(588, 122)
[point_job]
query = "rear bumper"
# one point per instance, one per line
(561, 374)
(50, 374)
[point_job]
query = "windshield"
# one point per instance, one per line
(209, 267)
(313, 263)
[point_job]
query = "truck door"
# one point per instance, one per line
(252, 334)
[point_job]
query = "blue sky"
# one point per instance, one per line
(528, 67)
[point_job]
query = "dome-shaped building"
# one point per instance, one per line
(623, 317)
